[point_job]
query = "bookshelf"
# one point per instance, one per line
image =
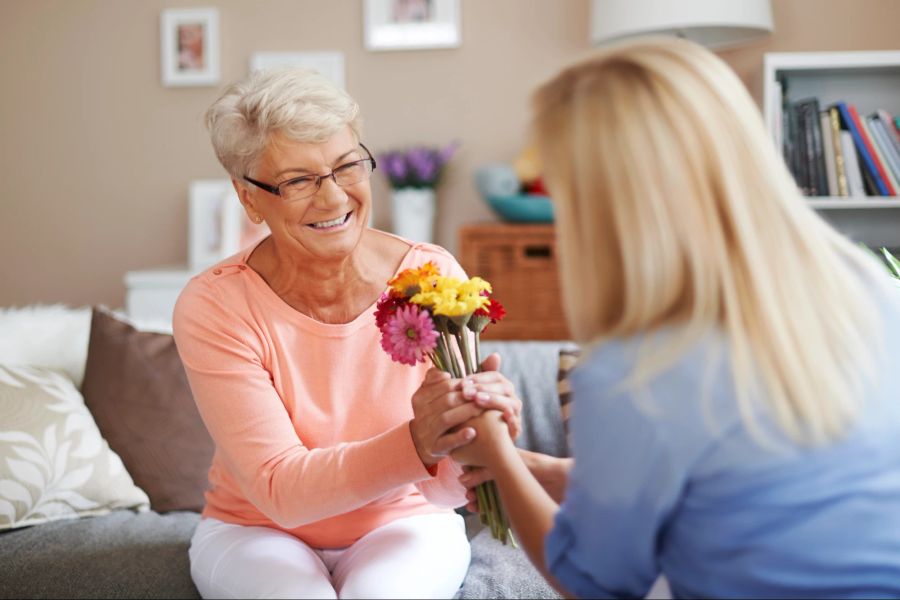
(868, 79)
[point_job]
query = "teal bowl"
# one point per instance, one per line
(524, 208)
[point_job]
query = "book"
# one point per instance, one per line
(888, 121)
(878, 152)
(851, 165)
(799, 163)
(815, 155)
(828, 148)
(869, 183)
(889, 183)
(850, 119)
(888, 151)
(834, 120)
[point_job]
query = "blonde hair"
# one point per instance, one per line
(299, 103)
(675, 209)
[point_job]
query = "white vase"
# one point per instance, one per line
(412, 211)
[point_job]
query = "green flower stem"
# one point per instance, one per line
(482, 504)
(454, 356)
(436, 360)
(463, 339)
(489, 507)
(507, 531)
(478, 350)
(447, 357)
(495, 510)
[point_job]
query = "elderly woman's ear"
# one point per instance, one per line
(246, 201)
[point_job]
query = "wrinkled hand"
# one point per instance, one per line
(439, 408)
(491, 439)
(490, 389)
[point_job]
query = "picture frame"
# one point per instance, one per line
(411, 24)
(330, 64)
(189, 47)
(218, 226)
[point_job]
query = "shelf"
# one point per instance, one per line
(871, 80)
(867, 80)
(840, 203)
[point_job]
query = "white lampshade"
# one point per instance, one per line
(713, 23)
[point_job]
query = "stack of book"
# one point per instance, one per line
(834, 151)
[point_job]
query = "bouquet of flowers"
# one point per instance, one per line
(417, 167)
(425, 315)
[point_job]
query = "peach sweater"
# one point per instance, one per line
(310, 420)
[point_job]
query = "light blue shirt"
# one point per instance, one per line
(665, 484)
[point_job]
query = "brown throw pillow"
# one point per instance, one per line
(568, 358)
(137, 391)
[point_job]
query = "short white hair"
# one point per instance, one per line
(298, 103)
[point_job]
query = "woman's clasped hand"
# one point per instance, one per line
(447, 410)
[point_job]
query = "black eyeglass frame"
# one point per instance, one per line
(273, 189)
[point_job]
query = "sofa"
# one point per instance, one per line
(140, 552)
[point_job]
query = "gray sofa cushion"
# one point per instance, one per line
(145, 555)
(120, 555)
(499, 571)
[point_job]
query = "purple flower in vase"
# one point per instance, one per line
(418, 166)
(395, 167)
(424, 165)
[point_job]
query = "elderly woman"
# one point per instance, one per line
(331, 475)
(735, 421)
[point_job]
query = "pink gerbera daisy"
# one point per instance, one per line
(409, 335)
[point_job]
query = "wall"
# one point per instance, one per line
(97, 154)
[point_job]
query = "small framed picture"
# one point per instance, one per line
(218, 226)
(330, 64)
(189, 46)
(411, 24)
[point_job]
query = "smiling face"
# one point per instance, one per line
(326, 225)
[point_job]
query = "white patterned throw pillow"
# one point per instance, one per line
(54, 464)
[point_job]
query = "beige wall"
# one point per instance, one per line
(97, 154)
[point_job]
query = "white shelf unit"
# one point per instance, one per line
(868, 79)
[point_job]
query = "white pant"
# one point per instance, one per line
(424, 556)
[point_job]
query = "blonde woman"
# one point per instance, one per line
(330, 477)
(736, 422)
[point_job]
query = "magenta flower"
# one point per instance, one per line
(409, 335)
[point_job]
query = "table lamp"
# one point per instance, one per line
(712, 23)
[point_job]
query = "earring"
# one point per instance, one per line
(257, 219)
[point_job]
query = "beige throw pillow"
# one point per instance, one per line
(54, 464)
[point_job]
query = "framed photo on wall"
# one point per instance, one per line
(411, 24)
(218, 226)
(189, 46)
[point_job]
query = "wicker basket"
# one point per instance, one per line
(520, 262)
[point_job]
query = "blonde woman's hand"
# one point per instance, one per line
(490, 442)
(490, 389)
(551, 472)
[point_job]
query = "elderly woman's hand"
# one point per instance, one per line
(490, 389)
(439, 408)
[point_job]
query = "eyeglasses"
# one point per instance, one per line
(299, 188)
